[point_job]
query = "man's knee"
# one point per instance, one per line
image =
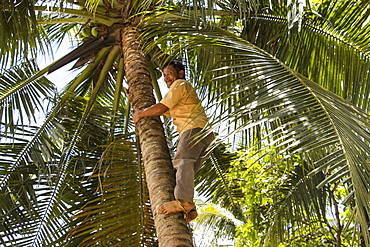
(180, 164)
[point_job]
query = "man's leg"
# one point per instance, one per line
(205, 154)
(203, 157)
(187, 160)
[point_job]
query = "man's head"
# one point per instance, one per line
(173, 71)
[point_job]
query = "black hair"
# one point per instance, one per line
(177, 65)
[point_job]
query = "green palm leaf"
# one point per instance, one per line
(126, 222)
(290, 113)
(327, 49)
(253, 64)
(22, 98)
(20, 36)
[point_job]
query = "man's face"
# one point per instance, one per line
(170, 75)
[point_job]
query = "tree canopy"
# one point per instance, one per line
(287, 82)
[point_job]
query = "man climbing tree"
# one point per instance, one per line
(182, 104)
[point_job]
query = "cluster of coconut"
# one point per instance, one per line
(87, 32)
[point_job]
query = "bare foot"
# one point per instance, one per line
(176, 206)
(191, 216)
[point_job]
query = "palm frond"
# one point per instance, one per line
(58, 28)
(285, 111)
(20, 37)
(118, 202)
(46, 193)
(213, 225)
(213, 185)
(327, 49)
(300, 121)
(23, 94)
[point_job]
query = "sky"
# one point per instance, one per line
(63, 75)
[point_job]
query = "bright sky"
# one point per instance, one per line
(63, 75)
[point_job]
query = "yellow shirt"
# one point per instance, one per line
(184, 106)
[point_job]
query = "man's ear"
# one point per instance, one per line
(182, 74)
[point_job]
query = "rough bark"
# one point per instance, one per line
(172, 229)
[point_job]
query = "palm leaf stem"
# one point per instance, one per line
(112, 56)
(117, 97)
(108, 63)
(97, 17)
(157, 90)
(102, 53)
(25, 83)
(64, 20)
(127, 115)
(118, 87)
(92, 6)
(23, 154)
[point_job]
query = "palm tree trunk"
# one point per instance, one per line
(171, 229)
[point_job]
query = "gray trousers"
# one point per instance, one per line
(190, 155)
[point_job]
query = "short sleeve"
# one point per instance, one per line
(173, 96)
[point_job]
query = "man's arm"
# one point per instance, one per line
(155, 110)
